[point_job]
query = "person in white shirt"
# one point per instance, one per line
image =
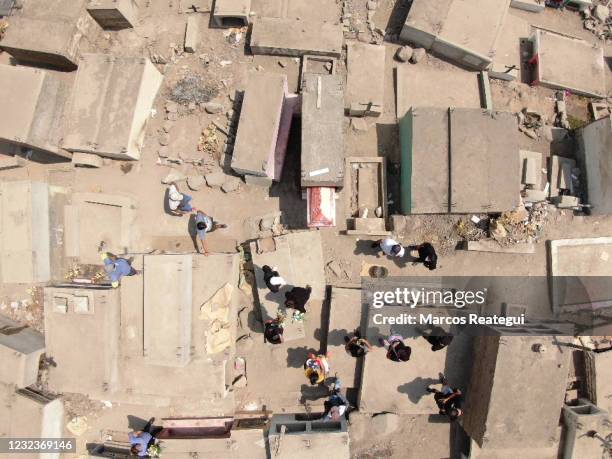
(179, 203)
(390, 247)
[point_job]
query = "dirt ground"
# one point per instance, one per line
(225, 66)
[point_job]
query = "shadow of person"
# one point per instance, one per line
(364, 247)
(416, 389)
(312, 393)
(336, 337)
(296, 356)
(136, 423)
(192, 231)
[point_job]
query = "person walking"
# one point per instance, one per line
(297, 297)
(141, 441)
(272, 279)
(178, 203)
(427, 255)
(449, 400)
(356, 345)
(116, 267)
(397, 350)
(205, 224)
(316, 368)
(390, 247)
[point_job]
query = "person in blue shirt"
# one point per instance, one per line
(116, 268)
(140, 440)
(205, 224)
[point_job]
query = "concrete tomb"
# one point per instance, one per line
(110, 105)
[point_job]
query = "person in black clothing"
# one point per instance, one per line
(427, 255)
(357, 346)
(273, 331)
(272, 279)
(396, 349)
(449, 400)
(297, 298)
(438, 342)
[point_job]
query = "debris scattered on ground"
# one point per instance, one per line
(529, 122)
(194, 88)
(598, 21)
(522, 224)
(209, 142)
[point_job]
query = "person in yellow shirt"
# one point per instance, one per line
(316, 368)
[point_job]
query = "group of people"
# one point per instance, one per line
(179, 204)
(295, 298)
(392, 248)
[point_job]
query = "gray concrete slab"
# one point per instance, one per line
(484, 161)
(292, 37)
(20, 352)
(365, 84)
(37, 98)
(299, 260)
(25, 232)
(345, 316)
(232, 13)
(141, 380)
(322, 131)
(30, 417)
(491, 245)
(432, 88)
(594, 147)
(74, 338)
(425, 152)
(83, 230)
(167, 306)
(508, 49)
(565, 62)
(470, 32)
(114, 14)
(110, 105)
(258, 128)
(536, 159)
(585, 258)
(50, 33)
(498, 360)
(465, 32)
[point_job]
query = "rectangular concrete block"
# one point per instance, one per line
(20, 352)
(531, 168)
(535, 195)
(258, 128)
(231, 13)
(484, 161)
(365, 86)
(87, 160)
(37, 98)
(533, 6)
(424, 142)
(322, 131)
(463, 32)
(192, 33)
(11, 162)
(565, 62)
(293, 37)
(25, 233)
(73, 337)
(114, 14)
(110, 105)
(167, 309)
(594, 147)
(490, 245)
(50, 33)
